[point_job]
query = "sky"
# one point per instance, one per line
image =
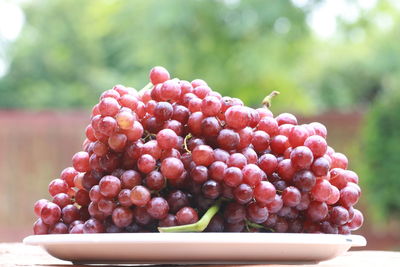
(322, 19)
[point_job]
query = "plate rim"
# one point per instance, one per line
(109, 238)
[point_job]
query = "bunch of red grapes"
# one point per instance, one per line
(162, 156)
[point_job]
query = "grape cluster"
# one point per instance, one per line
(161, 157)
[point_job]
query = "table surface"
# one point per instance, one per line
(17, 254)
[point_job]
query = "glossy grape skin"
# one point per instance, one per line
(236, 117)
(233, 176)
(109, 106)
(168, 221)
(80, 161)
(40, 228)
(234, 212)
(203, 155)
(58, 186)
(140, 196)
(157, 208)
(275, 205)
(141, 216)
(180, 113)
(328, 228)
(170, 90)
(216, 224)
(62, 200)
(50, 213)
(130, 178)
(217, 170)
(339, 215)
(357, 221)
(338, 178)
(268, 125)
(286, 118)
(201, 91)
(58, 228)
(177, 200)
(317, 211)
(93, 226)
(245, 137)
(250, 155)
(334, 196)
(339, 160)
(194, 123)
(39, 205)
(279, 144)
(117, 142)
(210, 106)
(260, 141)
(264, 192)
(110, 186)
(317, 145)
(68, 175)
(348, 196)
(167, 139)
(320, 166)
(321, 190)
(228, 139)
(257, 213)
(172, 168)
(281, 225)
(70, 213)
(199, 174)
(301, 157)
(268, 163)
(304, 180)
(122, 216)
(95, 212)
(106, 127)
(211, 189)
(291, 196)
(146, 163)
(186, 215)
(286, 170)
(243, 193)
(252, 174)
(158, 75)
(298, 136)
(236, 160)
(155, 180)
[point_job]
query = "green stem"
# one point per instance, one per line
(268, 99)
(147, 87)
(258, 226)
(254, 225)
(194, 227)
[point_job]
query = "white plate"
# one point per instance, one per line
(195, 247)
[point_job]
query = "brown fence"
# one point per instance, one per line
(36, 146)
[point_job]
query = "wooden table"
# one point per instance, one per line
(17, 254)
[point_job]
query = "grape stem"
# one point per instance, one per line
(268, 99)
(257, 226)
(147, 87)
(187, 137)
(194, 227)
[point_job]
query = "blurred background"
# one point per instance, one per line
(334, 61)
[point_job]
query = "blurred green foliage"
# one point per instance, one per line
(70, 51)
(381, 150)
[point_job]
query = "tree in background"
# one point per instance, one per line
(381, 148)
(69, 51)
